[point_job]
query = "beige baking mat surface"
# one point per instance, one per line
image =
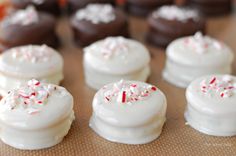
(176, 138)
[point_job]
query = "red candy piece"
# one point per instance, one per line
(123, 97)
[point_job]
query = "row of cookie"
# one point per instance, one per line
(108, 61)
(116, 58)
(129, 112)
(88, 26)
(136, 7)
(133, 112)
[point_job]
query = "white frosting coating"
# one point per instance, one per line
(23, 17)
(113, 59)
(20, 64)
(211, 105)
(97, 80)
(97, 13)
(194, 56)
(35, 116)
(38, 2)
(175, 13)
(129, 112)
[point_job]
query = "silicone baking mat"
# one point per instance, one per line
(176, 138)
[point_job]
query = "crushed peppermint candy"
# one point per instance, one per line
(24, 17)
(175, 13)
(32, 54)
(97, 13)
(30, 97)
(223, 87)
(200, 44)
(127, 93)
(113, 46)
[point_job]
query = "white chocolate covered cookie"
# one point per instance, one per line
(191, 57)
(115, 58)
(35, 116)
(129, 112)
(211, 107)
(20, 64)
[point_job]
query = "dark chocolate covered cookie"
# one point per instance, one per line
(27, 27)
(51, 6)
(98, 21)
(144, 7)
(171, 22)
(211, 7)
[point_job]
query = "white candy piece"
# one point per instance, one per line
(129, 112)
(191, 57)
(35, 116)
(97, 13)
(173, 12)
(20, 64)
(38, 2)
(115, 58)
(211, 105)
(24, 17)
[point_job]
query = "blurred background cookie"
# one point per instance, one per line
(51, 6)
(28, 26)
(211, 7)
(144, 7)
(171, 22)
(98, 21)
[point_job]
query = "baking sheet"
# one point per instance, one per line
(176, 138)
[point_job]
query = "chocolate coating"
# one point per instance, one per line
(211, 7)
(74, 5)
(86, 32)
(162, 31)
(42, 32)
(51, 6)
(144, 7)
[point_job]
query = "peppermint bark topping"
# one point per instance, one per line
(30, 97)
(176, 13)
(32, 54)
(201, 44)
(114, 46)
(224, 87)
(24, 17)
(127, 93)
(96, 13)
